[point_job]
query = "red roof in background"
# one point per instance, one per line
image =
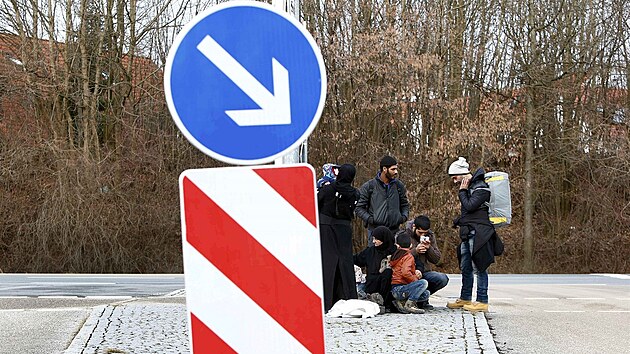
(38, 52)
(27, 72)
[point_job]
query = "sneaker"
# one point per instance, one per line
(376, 297)
(425, 305)
(476, 306)
(458, 304)
(400, 306)
(411, 307)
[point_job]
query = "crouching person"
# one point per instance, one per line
(407, 287)
(378, 284)
(425, 251)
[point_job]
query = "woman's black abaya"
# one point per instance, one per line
(336, 204)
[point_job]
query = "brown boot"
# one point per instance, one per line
(476, 307)
(458, 304)
(411, 307)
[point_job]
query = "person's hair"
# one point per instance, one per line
(422, 222)
(403, 238)
(387, 161)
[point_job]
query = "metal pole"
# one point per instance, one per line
(301, 153)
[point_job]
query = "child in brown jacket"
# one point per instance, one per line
(407, 287)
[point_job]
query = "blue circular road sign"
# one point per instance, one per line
(245, 82)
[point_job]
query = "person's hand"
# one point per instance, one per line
(465, 183)
(422, 247)
(418, 274)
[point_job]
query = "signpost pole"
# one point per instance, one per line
(301, 153)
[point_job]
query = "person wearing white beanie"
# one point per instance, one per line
(459, 167)
(478, 247)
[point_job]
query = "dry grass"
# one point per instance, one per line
(63, 212)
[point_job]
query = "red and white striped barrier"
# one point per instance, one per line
(252, 259)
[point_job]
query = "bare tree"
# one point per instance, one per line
(90, 155)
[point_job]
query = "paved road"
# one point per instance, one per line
(41, 313)
(528, 313)
(557, 313)
(89, 285)
(45, 330)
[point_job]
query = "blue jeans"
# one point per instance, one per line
(361, 291)
(436, 280)
(468, 267)
(416, 291)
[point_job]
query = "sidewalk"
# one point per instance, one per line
(158, 325)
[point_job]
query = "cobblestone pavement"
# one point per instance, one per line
(159, 326)
(133, 328)
(434, 332)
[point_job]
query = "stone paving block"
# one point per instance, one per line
(146, 327)
(134, 328)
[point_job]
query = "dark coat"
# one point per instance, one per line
(371, 258)
(376, 282)
(383, 205)
(336, 204)
(432, 255)
(474, 216)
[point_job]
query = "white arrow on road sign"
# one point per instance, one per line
(275, 108)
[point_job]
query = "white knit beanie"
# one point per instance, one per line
(459, 167)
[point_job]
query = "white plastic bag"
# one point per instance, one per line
(354, 308)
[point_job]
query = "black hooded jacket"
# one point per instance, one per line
(339, 199)
(474, 216)
(371, 257)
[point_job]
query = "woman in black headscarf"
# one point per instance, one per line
(336, 202)
(379, 275)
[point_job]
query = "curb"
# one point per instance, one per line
(478, 333)
(486, 341)
(88, 329)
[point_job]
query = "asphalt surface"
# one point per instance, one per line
(528, 314)
(562, 314)
(89, 285)
(37, 331)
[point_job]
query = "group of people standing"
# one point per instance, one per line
(398, 260)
